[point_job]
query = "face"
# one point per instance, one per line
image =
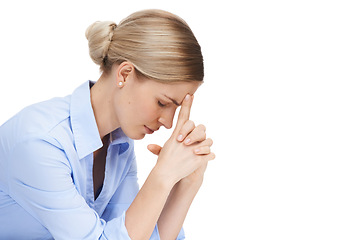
(142, 105)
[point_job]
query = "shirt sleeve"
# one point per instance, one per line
(124, 196)
(40, 181)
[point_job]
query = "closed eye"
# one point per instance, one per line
(161, 104)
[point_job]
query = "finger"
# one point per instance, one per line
(184, 113)
(197, 135)
(204, 147)
(206, 157)
(207, 142)
(202, 150)
(186, 129)
(209, 157)
(155, 149)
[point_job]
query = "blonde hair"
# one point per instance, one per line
(159, 44)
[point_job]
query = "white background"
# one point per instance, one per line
(281, 101)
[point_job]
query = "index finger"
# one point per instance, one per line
(184, 113)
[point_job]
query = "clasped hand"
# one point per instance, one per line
(186, 153)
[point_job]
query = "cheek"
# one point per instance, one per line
(145, 111)
(150, 112)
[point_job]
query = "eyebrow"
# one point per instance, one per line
(174, 101)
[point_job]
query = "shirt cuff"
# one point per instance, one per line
(115, 229)
(156, 236)
(181, 235)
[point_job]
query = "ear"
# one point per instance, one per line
(123, 72)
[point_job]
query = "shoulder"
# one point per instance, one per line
(37, 119)
(45, 115)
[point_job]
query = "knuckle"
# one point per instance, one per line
(200, 132)
(198, 136)
(203, 136)
(187, 125)
(202, 150)
(207, 150)
(202, 127)
(191, 123)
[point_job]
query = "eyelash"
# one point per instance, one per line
(161, 104)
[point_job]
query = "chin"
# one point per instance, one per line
(138, 137)
(134, 135)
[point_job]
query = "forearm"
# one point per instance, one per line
(144, 212)
(177, 205)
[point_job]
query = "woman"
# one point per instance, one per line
(67, 165)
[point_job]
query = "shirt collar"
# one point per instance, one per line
(83, 123)
(86, 134)
(118, 137)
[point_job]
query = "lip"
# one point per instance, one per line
(148, 130)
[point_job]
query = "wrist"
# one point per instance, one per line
(187, 183)
(164, 179)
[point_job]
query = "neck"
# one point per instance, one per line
(101, 101)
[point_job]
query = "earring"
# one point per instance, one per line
(120, 84)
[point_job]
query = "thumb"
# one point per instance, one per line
(155, 149)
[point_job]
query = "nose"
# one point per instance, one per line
(165, 122)
(166, 119)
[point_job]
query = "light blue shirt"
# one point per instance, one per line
(46, 177)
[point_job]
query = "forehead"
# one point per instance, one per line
(180, 87)
(176, 91)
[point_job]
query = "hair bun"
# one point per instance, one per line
(99, 34)
(159, 44)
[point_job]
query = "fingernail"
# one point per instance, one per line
(187, 98)
(180, 137)
(197, 150)
(187, 141)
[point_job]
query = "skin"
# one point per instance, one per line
(140, 106)
(135, 104)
